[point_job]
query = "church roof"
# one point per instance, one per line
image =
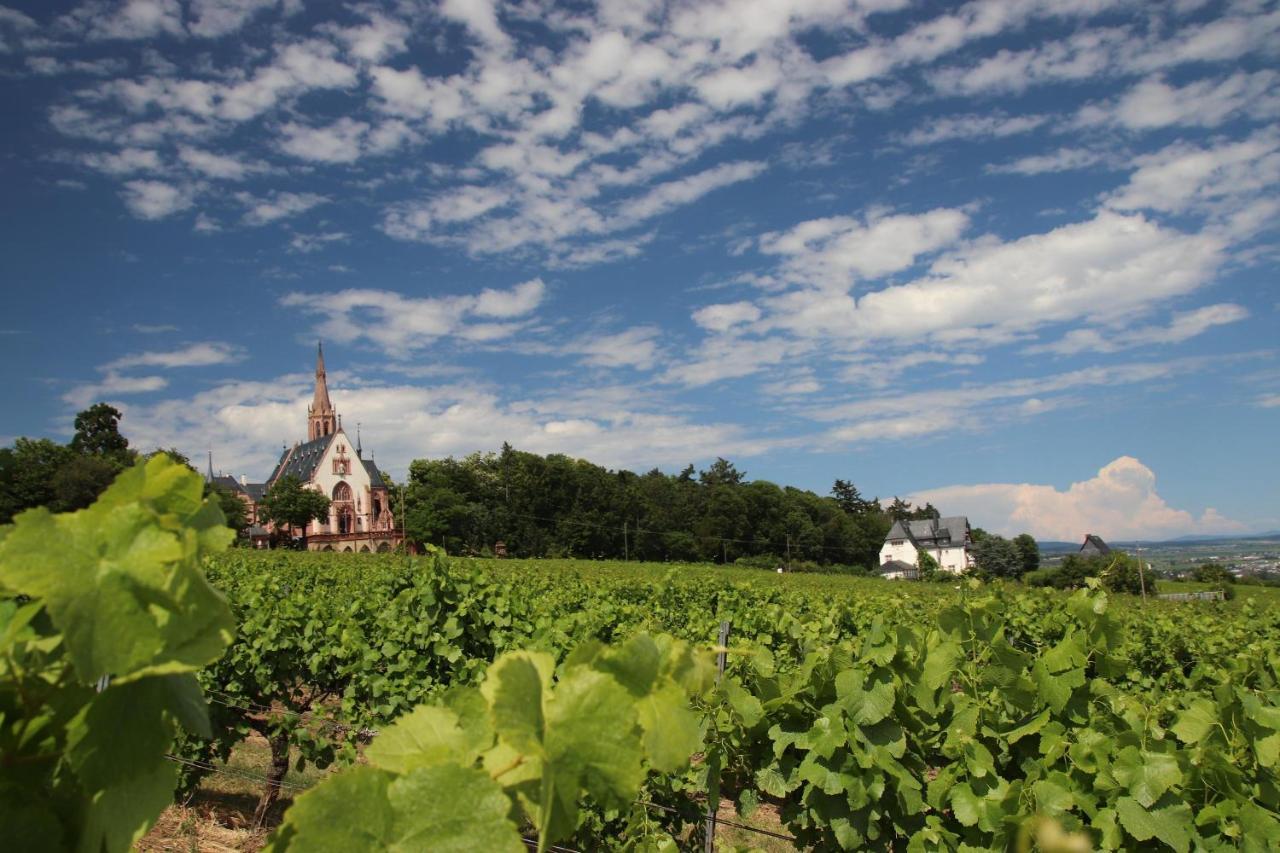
(375, 476)
(225, 481)
(301, 460)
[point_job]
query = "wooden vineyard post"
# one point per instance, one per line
(709, 845)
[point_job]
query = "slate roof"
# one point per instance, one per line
(375, 476)
(301, 460)
(231, 484)
(1093, 545)
(936, 533)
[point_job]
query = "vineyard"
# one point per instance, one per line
(563, 704)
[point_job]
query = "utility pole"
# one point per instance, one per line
(626, 553)
(788, 552)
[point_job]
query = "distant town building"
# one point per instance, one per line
(946, 540)
(360, 517)
(1094, 546)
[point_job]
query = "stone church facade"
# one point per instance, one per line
(360, 514)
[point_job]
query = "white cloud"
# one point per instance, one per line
(131, 19)
(636, 348)
(516, 302)
(111, 386)
(1268, 401)
(246, 422)
(156, 199)
(1221, 177)
(1182, 327)
(283, 205)
(401, 324)
(723, 317)
(195, 355)
(379, 39)
(307, 243)
(671, 194)
(339, 142)
(214, 18)
(1061, 160)
(1121, 502)
(837, 251)
(1153, 103)
(213, 165)
(978, 406)
(974, 126)
(126, 161)
(1110, 267)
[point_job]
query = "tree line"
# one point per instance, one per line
(542, 506)
(67, 477)
(557, 506)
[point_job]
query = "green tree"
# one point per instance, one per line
(232, 507)
(721, 472)
(850, 499)
(288, 504)
(27, 472)
(1029, 550)
(98, 433)
(1212, 573)
(997, 557)
(1118, 571)
(900, 510)
(81, 479)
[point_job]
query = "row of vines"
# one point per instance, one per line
(478, 702)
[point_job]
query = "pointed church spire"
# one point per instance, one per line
(321, 419)
(359, 449)
(209, 476)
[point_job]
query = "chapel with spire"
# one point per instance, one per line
(360, 515)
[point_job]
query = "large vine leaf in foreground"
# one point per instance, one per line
(97, 665)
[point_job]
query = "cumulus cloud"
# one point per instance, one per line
(156, 199)
(636, 348)
(246, 422)
(1110, 266)
(981, 406)
(1182, 327)
(1214, 178)
(281, 205)
(837, 251)
(1154, 103)
(1120, 502)
(400, 324)
(111, 386)
(195, 355)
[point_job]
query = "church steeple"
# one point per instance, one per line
(321, 418)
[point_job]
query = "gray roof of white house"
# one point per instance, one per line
(897, 566)
(938, 533)
(1094, 545)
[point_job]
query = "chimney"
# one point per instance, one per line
(244, 481)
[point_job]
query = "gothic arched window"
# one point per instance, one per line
(342, 492)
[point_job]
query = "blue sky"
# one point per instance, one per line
(1018, 257)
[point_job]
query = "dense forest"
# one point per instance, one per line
(556, 506)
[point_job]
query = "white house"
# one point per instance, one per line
(946, 540)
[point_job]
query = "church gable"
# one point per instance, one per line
(339, 464)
